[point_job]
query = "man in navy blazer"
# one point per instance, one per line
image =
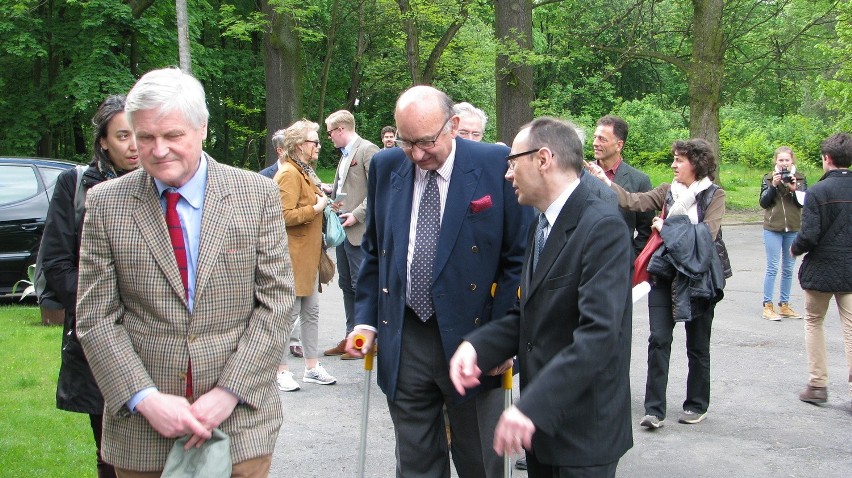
(572, 330)
(481, 242)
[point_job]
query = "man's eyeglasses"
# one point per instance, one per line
(422, 144)
(470, 134)
(333, 130)
(513, 158)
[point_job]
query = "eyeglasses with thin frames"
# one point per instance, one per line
(513, 158)
(470, 134)
(333, 130)
(422, 144)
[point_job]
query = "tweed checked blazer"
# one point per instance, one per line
(132, 315)
(356, 168)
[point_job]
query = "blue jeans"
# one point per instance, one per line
(778, 244)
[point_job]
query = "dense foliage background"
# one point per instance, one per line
(770, 72)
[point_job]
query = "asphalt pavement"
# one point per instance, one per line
(756, 426)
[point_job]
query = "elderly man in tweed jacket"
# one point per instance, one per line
(181, 352)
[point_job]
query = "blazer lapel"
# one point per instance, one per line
(215, 220)
(151, 221)
(560, 233)
(400, 197)
(462, 188)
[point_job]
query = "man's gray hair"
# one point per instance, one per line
(167, 90)
(561, 138)
(466, 109)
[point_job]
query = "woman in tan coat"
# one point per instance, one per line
(303, 203)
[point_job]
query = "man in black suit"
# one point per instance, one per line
(443, 228)
(610, 136)
(572, 329)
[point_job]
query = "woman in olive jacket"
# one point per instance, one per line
(114, 154)
(782, 218)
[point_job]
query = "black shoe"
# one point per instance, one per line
(521, 464)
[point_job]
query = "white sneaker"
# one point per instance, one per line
(318, 375)
(286, 383)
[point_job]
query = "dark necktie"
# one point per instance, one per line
(540, 238)
(426, 240)
(179, 247)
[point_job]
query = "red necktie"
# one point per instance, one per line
(179, 247)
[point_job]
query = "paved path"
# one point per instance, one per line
(756, 426)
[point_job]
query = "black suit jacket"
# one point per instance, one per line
(635, 181)
(572, 336)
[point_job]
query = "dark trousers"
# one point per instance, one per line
(423, 389)
(536, 469)
(349, 258)
(660, 348)
(105, 470)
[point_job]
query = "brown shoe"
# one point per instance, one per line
(297, 351)
(814, 394)
(769, 312)
(346, 356)
(338, 349)
(784, 310)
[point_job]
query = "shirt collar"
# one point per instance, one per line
(556, 206)
(348, 148)
(610, 173)
(446, 169)
(193, 190)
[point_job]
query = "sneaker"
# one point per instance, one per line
(521, 464)
(769, 312)
(318, 375)
(286, 383)
(814, 394)
(784, 310)
(651, 421)
(691, 418)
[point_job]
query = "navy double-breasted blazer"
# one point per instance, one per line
(477, 246)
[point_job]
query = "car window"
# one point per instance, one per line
(50, 175)
(17, 183)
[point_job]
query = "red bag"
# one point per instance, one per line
(640, 265)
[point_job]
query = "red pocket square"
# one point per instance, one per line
(481, 204)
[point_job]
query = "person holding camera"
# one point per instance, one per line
(782, 219)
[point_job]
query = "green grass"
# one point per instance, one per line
(741, 183)
(37, 439)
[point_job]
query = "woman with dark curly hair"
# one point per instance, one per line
(691, 234)
(114, 154)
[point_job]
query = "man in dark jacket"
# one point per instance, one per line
(826, 270)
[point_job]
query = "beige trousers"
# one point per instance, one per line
(816, 305)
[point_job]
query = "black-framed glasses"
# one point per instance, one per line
(333, 130)
(513, 158)
(315, 141)
(422, 144)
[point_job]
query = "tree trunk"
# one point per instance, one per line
(513, 26)
(330, 42)
(705, 73)
(283, 71)
(360, 48)
(412, 40)
(184, 55)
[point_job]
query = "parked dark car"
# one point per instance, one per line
(26, 185)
